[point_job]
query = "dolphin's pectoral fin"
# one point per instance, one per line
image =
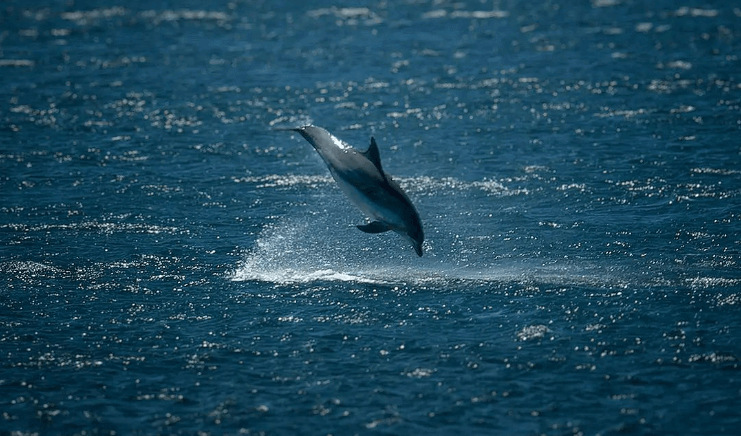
(373, 155)
(374, 227)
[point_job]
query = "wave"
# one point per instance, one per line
(412, 184)
(497, 238)
(308, 250)
(95, 226)
(288, 254)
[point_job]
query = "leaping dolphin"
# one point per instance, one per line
(360, 176)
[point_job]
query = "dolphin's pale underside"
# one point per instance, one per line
(360, 176)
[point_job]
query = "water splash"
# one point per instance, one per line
(287, 253)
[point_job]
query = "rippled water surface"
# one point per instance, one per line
(172, 264)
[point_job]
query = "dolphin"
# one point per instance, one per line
(360, 176)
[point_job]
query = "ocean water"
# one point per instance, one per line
(172, 264)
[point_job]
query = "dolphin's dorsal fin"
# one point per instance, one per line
(373, 155)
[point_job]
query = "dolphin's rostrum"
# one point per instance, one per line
(360, 176)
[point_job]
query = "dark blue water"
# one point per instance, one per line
(172, 265)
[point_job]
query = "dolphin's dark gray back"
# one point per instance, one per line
(340, 157)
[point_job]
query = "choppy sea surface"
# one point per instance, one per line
(172, 264)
